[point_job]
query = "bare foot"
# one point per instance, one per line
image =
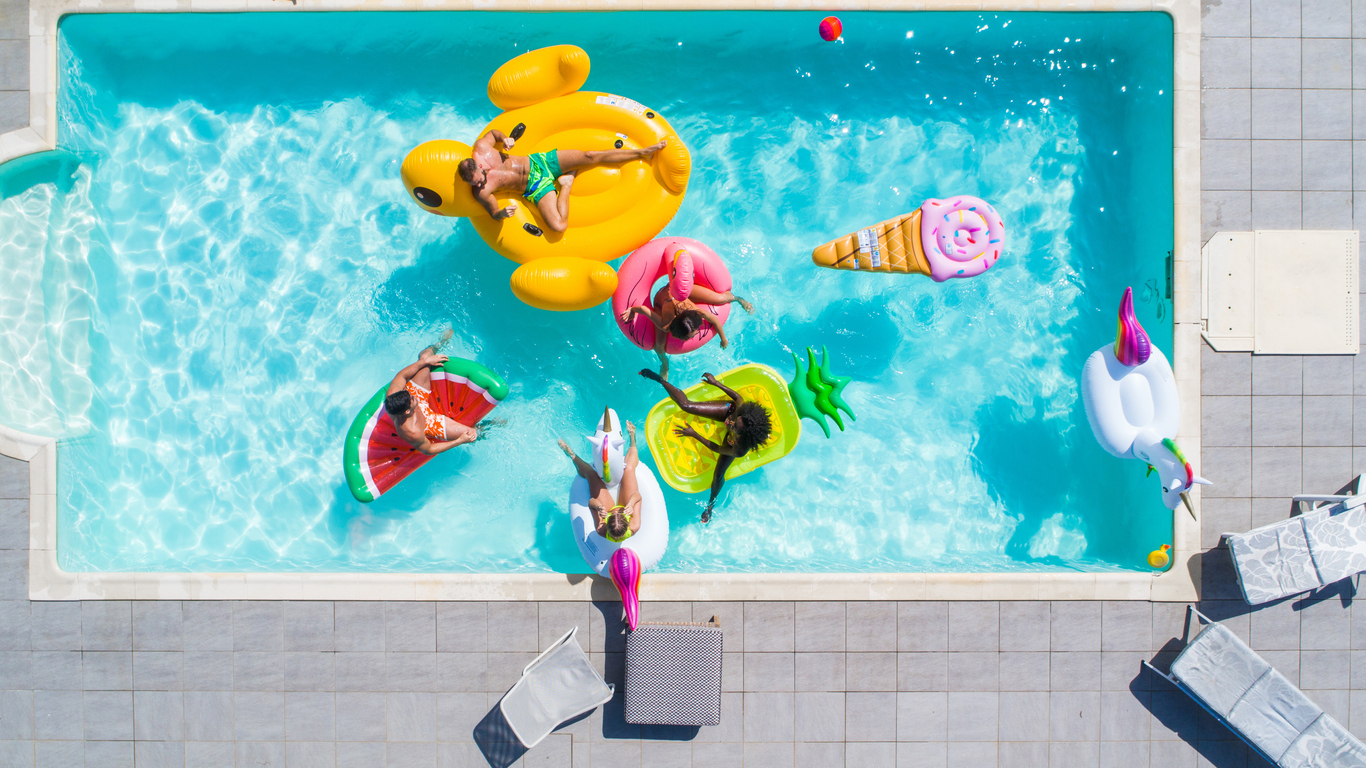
(745, 305)
(706, 516)
(567, 450)
(445, 338)
(649, 374)
(566, 181)
(631, 428)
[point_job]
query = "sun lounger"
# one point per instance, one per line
(1312, 550)
(558, 685)
(1258, 704)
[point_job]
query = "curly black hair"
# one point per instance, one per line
(751, 426)
(686, 324)
(398, 402)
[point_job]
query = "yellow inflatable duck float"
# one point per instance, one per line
(616, 209)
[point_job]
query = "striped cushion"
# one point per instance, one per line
(673, 675)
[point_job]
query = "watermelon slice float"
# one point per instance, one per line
(375, 458)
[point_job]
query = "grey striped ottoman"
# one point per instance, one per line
(673, 674)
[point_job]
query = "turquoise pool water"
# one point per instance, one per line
(238, 268)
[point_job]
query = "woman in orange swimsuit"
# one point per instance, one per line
(614, 519)
(409, 402)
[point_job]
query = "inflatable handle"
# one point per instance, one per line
(680, 283)
(564, 283)
(626, 570)
(538, 75)
(674, 165)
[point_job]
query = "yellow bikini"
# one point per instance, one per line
(608, 535)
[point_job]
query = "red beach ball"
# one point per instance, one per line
(831, 28)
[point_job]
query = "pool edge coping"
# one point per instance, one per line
(1180, 583)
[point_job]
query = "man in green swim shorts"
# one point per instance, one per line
(491, 170)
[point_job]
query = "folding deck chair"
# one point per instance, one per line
(558, 685)
(1325, 544)
(1275, 718)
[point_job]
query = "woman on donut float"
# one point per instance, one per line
(687, 311)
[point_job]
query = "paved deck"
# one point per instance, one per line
(118, 684)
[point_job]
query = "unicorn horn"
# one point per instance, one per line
(1186, 498)
(1132, 346)
(607, 419)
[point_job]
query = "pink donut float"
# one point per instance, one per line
(691, 263)
(961, 236)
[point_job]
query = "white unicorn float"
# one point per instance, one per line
(622, 560)
(1132, 404)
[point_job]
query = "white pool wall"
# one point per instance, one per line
(1180, 583)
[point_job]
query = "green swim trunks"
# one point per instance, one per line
(545, 168)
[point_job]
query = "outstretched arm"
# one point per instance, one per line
(490, 204)
(468, 436)
(717, 327)
(633, 508)
(494, 136)
(655, 318)
(718, 479)
(686, 431)
(715, 382)
(400, 381)
(431, 449)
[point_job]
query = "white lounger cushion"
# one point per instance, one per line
(1301, 553)
(1261, 705)
(1325, 744)
(1273, 713)
(1273, 561)
(1337, 541)
(1219, 668)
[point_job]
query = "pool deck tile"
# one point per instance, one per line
(309, 626)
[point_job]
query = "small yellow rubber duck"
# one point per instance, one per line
(1158, 558)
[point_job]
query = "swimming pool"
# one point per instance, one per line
(251, 271)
